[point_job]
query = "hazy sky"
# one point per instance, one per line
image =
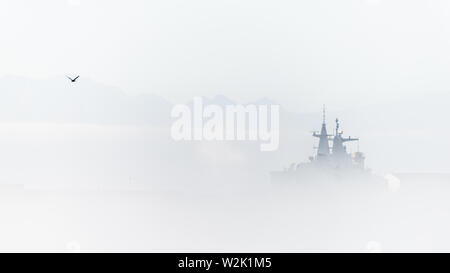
(300, 53)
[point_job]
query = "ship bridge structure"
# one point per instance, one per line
(332, 162)
(335, 156)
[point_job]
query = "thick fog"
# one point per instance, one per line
(87, 167)
(92, 166)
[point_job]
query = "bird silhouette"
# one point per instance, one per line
(74, 79)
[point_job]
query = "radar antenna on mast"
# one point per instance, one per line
(337, 126)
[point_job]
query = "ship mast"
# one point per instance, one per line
(338, 142)
(324, 148)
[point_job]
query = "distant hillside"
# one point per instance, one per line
(85, 101)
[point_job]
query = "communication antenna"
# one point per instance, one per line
(337, 126)
(323, 114)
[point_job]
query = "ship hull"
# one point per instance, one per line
(327, 177)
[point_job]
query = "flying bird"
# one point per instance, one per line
(74, 79)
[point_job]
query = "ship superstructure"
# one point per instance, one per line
(331, 157)
(335, 156)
